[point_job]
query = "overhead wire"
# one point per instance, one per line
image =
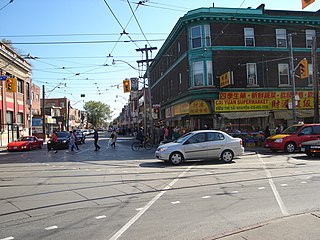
(11, 1)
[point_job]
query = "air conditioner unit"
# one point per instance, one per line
(251, 81)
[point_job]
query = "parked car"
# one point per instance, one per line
(202, 144)
(63, 141)
(80, 137)
(311, 148)
(25, 143)
(291, 139)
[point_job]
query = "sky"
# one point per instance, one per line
(74, 42)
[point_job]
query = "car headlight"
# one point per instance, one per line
(279, 140)
(64, 141)
(162, 149)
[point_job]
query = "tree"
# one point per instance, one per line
(98, 113)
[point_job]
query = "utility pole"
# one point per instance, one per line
(147, 61)
(292, 80)
(315, 80)
(43, 114)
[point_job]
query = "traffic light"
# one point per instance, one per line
(126, 86)
(11, 85)
(304, 73)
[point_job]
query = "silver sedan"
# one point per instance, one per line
(202, 144)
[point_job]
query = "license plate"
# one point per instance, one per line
(303, 149)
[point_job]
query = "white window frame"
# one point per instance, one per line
(209, 73)
(249, 35)
(309, 36)
(281, 38)
(207, 35)
(198, 71)
(196, 37)
(252, 77)
(280, 65)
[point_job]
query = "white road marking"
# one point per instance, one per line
(98, 170)
(303, 182)
(274, 189)
(260, 188)
(148, 205)
(284, 185)
(234, 192)
(176, 202)
(205, 197)
(139, 209)
(100, 217)
(7, 238)
(51, 228)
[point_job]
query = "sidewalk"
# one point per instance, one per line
(297, 227)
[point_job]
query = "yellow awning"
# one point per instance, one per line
(241, 115)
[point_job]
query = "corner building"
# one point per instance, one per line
(224, 67)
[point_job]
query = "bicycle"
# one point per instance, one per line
(145, 144)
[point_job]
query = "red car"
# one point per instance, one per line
(25, 143)
(290, 139)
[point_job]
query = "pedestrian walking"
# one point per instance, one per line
(113, 138)
(267, 132)
(72, 146)
(75, 139)
(96, 138)
(54, 141)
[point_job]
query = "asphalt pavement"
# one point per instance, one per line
(300, 226)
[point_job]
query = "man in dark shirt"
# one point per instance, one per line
(96, 137)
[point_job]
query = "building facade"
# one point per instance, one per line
(224, 66)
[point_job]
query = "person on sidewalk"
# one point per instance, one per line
(75, 139)
(113, 138)
(96, 138)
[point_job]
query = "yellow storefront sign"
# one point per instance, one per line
(199, 107)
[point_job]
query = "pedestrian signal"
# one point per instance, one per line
(126, 86)
(303, 66)
(11, 85)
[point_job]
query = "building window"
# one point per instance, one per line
(310, 71)
(37, 97)
(20, 118)
(196, 37)
(32, 95)
(198, 76)
(281, 37)
(179, 47)
(9, 119)
(249, 37)
(20, 86)
(180, 81)
(283, 70)
(28, 90)
(207, 35)
(309, 36)
(251, 74)
(209, 73)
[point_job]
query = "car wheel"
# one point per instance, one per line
(176, 158)
(290, 147)
(30, 146)
(227, 156)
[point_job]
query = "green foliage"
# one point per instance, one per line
(98, 113)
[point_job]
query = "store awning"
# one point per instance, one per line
(241, 115)
(287, 114)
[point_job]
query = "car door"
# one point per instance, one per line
(305, 134)
(196, 147)
(216, 142)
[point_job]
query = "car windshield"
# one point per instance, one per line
(183, 138)
(25, 139)
(292, 129)
(62, 134)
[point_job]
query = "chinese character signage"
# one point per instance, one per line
(199, 107)
(226, 79)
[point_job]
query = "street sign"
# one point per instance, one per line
(3, 78)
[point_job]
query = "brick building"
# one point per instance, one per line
(222, 66)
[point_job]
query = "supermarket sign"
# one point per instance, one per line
(257, 101)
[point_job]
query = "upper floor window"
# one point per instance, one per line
(180, 82)
(209, 73)
(309, 36)
(20, 86)
(283, 70)
(281, 37)
(310, 71)
(196, 37)
(198, 74)
(179, 47)
(207, 35)
(28, 90)
(37, 97)
(249, 37)
(251, 74)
